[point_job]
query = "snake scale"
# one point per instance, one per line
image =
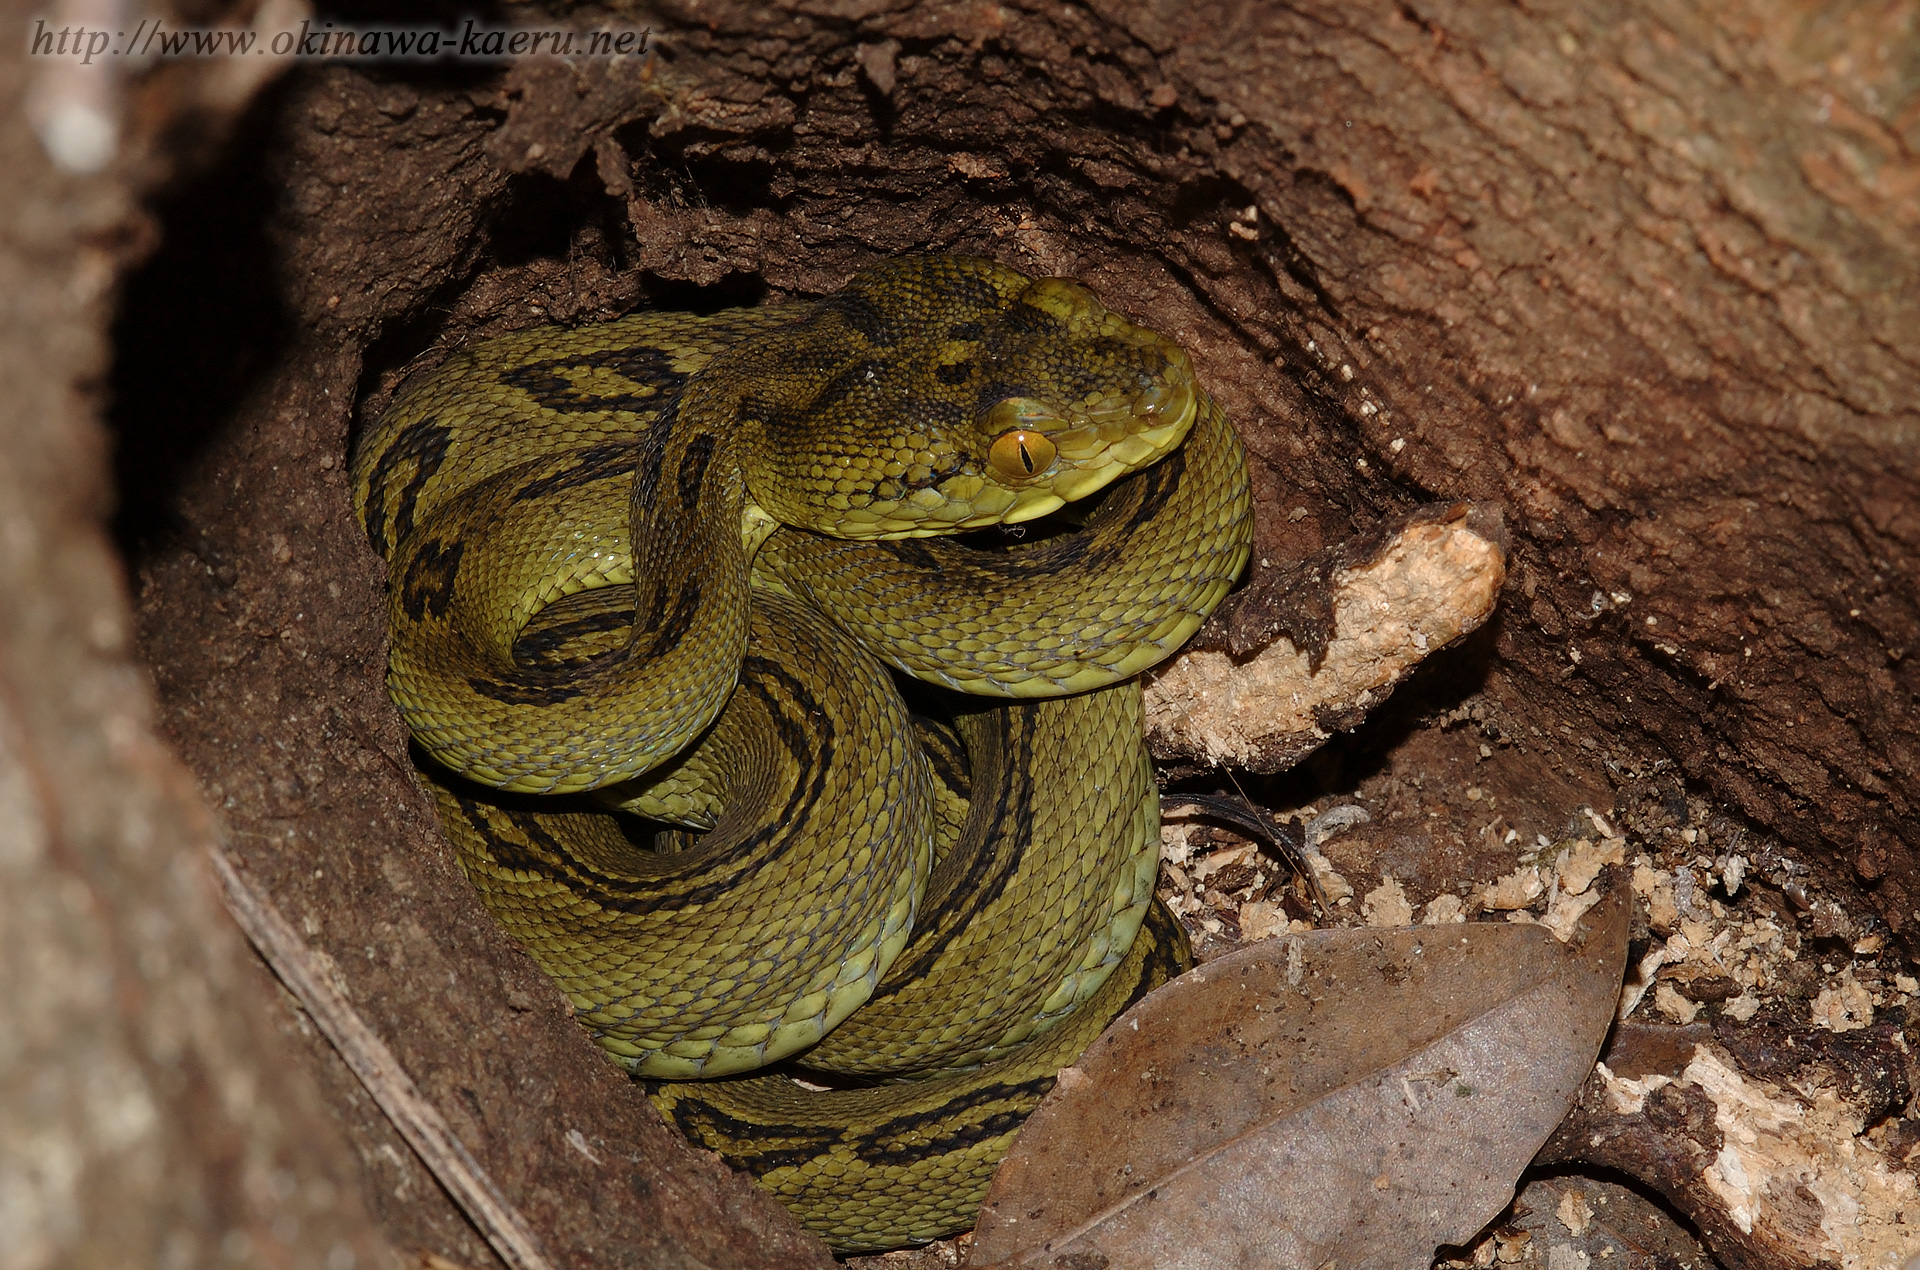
(774, 673)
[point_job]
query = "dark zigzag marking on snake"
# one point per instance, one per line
(860, 375)
(789, 422)
(428, 585)
(536, 686)
(747, 1143)
(790, 705)
(916, 1136)
(663, 614)
(971, 292)
(1066, 382)
(863, 315)
(662, 635)
(693, 470)
(426, 444)
(548, 645)
(550, 685)
(975, 874)
(643, 364)
(1024, 319)
(609, 460)
(948, 757)
(722, 869)
(539, 853)
(651, 449)
(715, 1129)
(735, 1138)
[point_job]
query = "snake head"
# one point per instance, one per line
(941, 393)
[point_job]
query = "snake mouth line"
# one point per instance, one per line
(1091, 452)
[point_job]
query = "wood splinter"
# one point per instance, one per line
(1355, 625)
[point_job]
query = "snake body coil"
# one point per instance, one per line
(656, 567)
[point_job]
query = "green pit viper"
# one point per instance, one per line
(646, 582)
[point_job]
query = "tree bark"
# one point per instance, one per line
(1644, 277)
(153, 1110)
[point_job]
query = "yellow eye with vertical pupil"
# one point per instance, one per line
(1020, 454)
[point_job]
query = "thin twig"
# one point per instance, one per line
(416, 1119)
(1243, 815)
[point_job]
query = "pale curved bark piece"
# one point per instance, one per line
(1426, 584)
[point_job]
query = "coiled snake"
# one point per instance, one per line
(653, 573)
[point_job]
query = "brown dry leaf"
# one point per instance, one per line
(1335, 1098)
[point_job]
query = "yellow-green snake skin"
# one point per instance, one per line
(646, 581)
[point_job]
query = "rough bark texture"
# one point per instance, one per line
(1643, 1115)
(152, 1109)
(1643, 277)
(265, 627)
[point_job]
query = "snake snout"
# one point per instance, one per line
(1064, 299)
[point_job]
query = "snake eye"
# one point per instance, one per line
(1020, 454)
